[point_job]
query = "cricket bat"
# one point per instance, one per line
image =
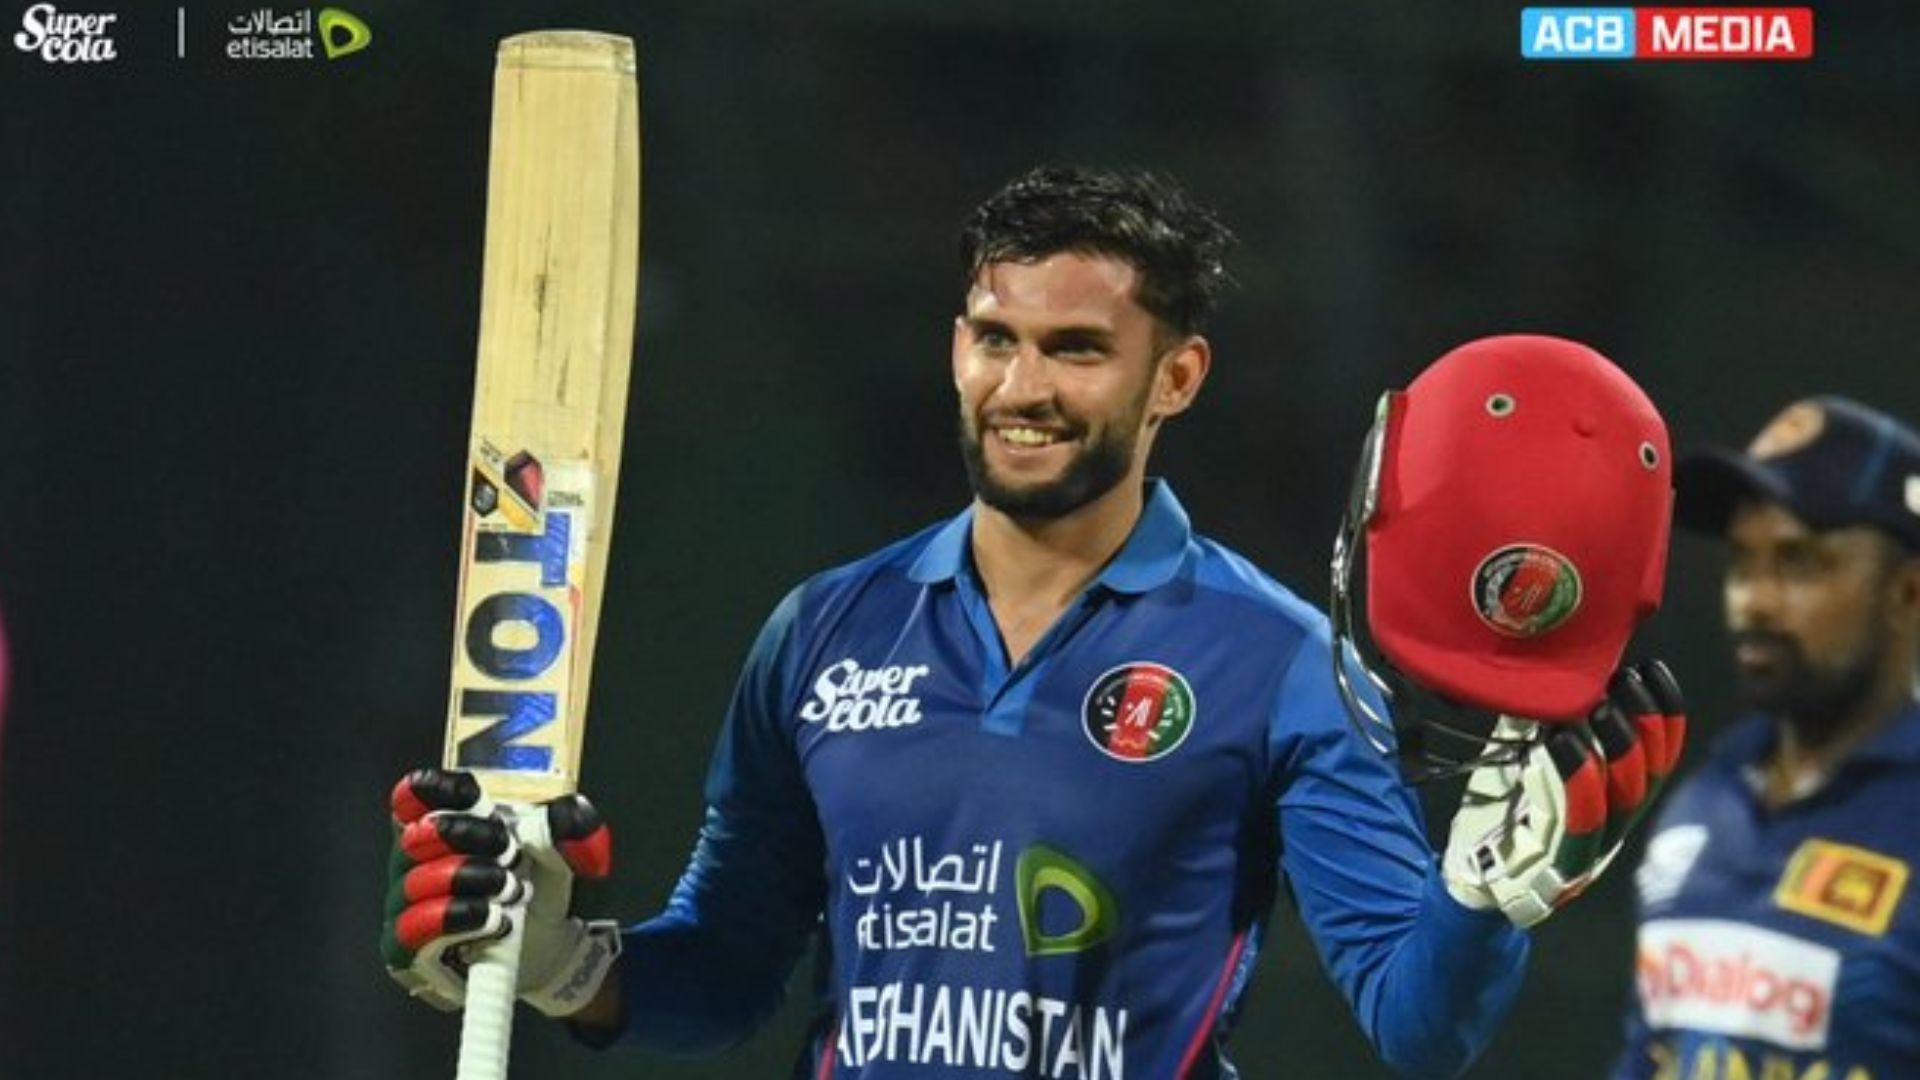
(549, 404)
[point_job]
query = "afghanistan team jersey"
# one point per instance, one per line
(1060, 867)
(1783, 944)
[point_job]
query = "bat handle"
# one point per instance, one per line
(486, 1025)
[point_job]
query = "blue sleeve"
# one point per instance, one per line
(711, 968)
(1429, 980)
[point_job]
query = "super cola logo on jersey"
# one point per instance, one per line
(62, 37)
(849, 697)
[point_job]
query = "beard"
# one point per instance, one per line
(1818, 703)
(1093, 471)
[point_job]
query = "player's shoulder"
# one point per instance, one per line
(825, 598)
(888, 568)
(1224, 576)
(896, 559)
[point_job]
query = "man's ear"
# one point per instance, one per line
(1177, 380)
(1906, 584)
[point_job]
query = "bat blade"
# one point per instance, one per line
(550, 388)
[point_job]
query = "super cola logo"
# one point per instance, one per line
(61, 37)
(849, 697)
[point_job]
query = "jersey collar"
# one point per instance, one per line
(1898, 742)
(1149, 559)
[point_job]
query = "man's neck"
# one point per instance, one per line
(1050, 561)
(1800, 766)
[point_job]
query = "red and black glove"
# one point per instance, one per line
(463, 870)
(1532, 835)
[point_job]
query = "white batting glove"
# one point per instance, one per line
(1531, 836)
(461, 873)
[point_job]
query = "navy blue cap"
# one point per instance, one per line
(1832, 462)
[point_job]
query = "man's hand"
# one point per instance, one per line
(460, 871)
(1531, 836)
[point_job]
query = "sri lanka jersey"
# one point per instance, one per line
(1783, 943)
(1059, 867)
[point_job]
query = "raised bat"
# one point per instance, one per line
(549, 404)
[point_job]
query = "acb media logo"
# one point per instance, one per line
(1691, 33)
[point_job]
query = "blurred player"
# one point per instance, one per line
(1033, 777)
(1779, 930)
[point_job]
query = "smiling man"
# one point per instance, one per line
(1030, 779)
(1779, 933)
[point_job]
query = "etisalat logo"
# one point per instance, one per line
(266, 34)
(66, 37)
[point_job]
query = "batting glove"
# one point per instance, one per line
(1531, 835)
(462, 872)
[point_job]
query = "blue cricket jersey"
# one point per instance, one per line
(1059, 868)
(1783, 943)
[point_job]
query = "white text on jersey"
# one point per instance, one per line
(849, 697)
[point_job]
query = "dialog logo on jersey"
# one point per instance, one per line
(849, 697)
(1138, 712)
(1729, 978)
(1525, 590)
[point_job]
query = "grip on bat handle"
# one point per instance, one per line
(486, 1025)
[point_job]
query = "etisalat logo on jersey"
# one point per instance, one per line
(916, 897)
(1138, 712)
(270, 34)
(1525, 590)
(932, 893)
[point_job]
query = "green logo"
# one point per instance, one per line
(1042, 868)
(354, 34)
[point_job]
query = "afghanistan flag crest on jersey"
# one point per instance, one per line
(1138, 711)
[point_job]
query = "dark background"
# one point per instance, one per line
(237, 319)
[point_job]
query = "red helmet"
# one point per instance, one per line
(1516, 498)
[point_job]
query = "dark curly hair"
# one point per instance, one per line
(1146, 220)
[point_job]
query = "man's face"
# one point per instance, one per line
(1809, 615)
(1060, 382)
